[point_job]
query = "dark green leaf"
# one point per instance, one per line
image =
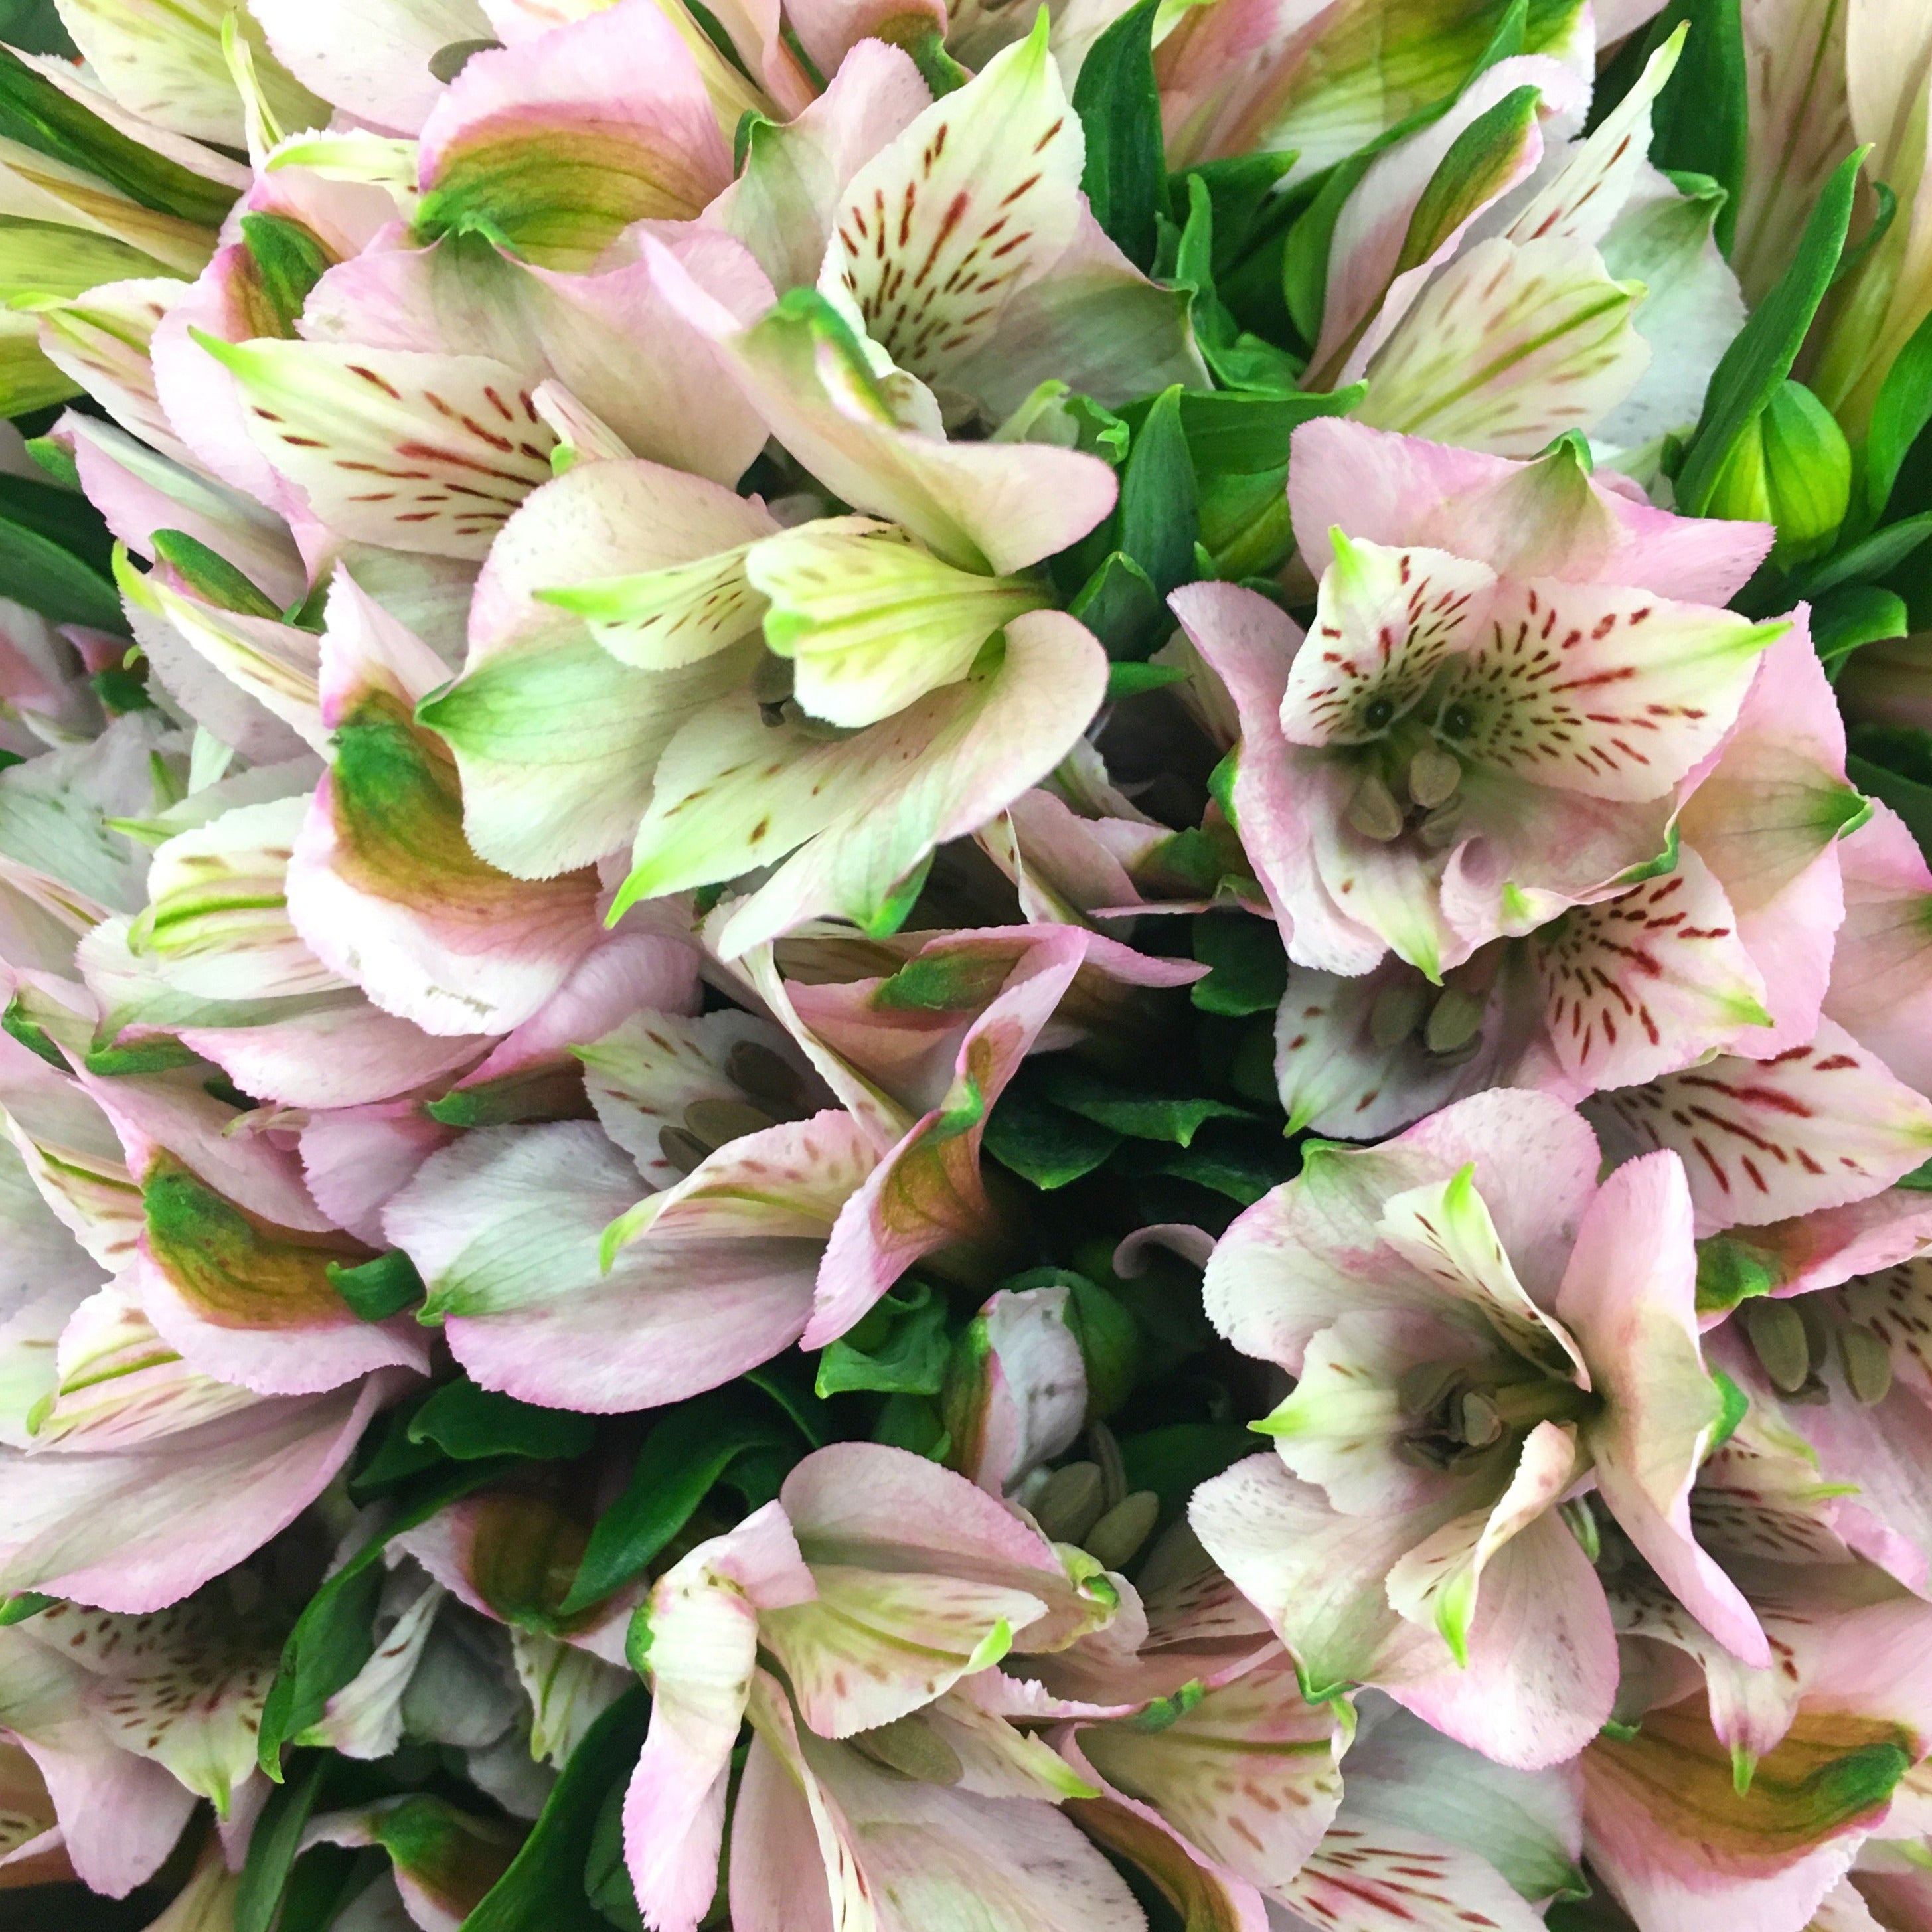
(1125, 178)
(1248, 433)
(1125, 1110)
(1130, 680)
(1903, 408)
(1044, 1144)
(684, 1455)
(787, 1380)
(1241, 1172)
(1250, 968)
(1160, 515)
(1700, 120)
(1861, 613)
(1175, 1462)
(607, 1880)
(61, 517)
(1120, 605)
(378, 1289)
(273, 1845)
(120, 690)
(544, 1890)
(1877, 556)
(897, 1347)
(208, 575)
(38, 572)
(1761, 356)
(470, 1423)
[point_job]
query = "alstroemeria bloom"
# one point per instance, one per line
(882, 1585)
(1752, 1791)
(1730, 949)
(1512, 672)
(1480, 1330)
(1496, 294)
(952, 235)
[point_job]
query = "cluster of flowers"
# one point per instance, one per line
(791, 796)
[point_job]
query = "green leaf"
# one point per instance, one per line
(1861, 613)
(897, 1347)
(40, 573)
(331, 1640)
(273, 1845)
(786, 1379)
(1044, 1144)
(37, 114)
(1903, 408)
(607, 1880)
(1125, 179)
(23, 1604)
(1175, 1461)
(1700, 121)
(545, 1888)
(376, 1290)
(1130, 680)
(1877, 556)
(1160, 512)
(469, 1423)
(1761, 356)
(1241, 1165)
(61, 517)
(1140, 1114)
(683, 1458)
(1120, 605)
(1250, 968)
(208, 575)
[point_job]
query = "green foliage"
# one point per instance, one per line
(898, 1347)
(1125, 178)
(1760, 358)
(688, 1451)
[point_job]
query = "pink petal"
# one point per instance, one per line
(1400, 490)
(1630, 1296)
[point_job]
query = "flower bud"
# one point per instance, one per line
(1792, 467)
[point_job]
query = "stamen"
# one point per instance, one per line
(1433, 775)
(1373, 811)
(1868, 1362)
(1454, 1021)
(718, 1121)
(1397, 1012)
(1778, 1340)
(1071, 1502)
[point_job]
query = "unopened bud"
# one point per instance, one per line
(1792, 467)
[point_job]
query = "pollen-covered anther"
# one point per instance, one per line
(1455, 1024)
(1398, 1011)
(1777, 1338)
(1373, 811)
(1433, 777)
(1868, 1362)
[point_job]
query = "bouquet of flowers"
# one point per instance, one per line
(966, 970)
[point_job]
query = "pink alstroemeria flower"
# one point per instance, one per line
(1513, 669)
(1480, 1332)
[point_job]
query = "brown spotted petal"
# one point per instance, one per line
(1820, 1126)
(412, 450)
